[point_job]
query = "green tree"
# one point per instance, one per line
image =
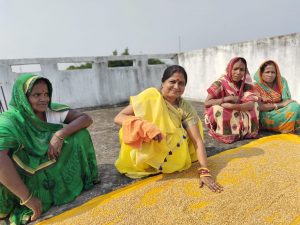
(115, 52)
(155, 61)
(117, 63)
(126, 51)
(82, 66)
(120, 63)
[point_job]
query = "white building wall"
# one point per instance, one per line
(101, 85)
(206, 65)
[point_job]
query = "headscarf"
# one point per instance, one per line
(269, 95)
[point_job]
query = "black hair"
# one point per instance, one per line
(243, 61)
(267, 63)
(173, 69)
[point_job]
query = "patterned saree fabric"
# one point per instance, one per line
(228, 125)
(27, 138)
(283, 120)
(175, 152)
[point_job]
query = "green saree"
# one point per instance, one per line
(27, 138)
(283, 120)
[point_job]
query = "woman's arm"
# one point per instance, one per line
(239, 107)
(284, 103)
(265, 107)
(125, 113)
(12, 181)
(75, 121)
(210, 101)
(194, 134)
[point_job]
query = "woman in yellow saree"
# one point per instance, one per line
(161, 132)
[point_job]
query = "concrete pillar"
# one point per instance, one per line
(49, 69)
(141, 63)
(7, 79)
(100, 67)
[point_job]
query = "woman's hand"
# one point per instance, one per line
(210, 183)
(54, 148)
(228, 105)
(36, 206)
(158, 137)
(285, 103)
(232, 99)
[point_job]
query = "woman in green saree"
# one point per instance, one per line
(278, 111)
(46, 156)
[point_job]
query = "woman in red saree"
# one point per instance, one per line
(231, 111)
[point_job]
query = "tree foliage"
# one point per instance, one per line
(116, 63)
(155, 61)
(120, 63)
(82, 66)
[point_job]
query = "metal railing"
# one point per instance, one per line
(3, 103)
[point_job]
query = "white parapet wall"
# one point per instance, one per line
(206, 65)
(102, 85)
(98, 86)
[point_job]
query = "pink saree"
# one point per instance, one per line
(228, 125)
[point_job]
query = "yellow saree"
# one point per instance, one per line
(175, 152)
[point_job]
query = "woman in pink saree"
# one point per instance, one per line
(231, 110)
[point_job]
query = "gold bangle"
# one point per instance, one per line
(59, 137)
(203, 168)
(27, 200)
(205, 175)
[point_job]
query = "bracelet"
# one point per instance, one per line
(275, 106)
(27, 200)
(205, 175)
(204, 169)
(59, 137)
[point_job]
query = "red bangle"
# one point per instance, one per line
(203, 170)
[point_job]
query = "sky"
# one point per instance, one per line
(67, 28)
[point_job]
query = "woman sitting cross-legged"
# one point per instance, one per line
(278, 112)
(161, 132)
(46, 156)
(231, 110)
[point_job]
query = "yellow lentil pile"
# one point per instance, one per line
(261, 186)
